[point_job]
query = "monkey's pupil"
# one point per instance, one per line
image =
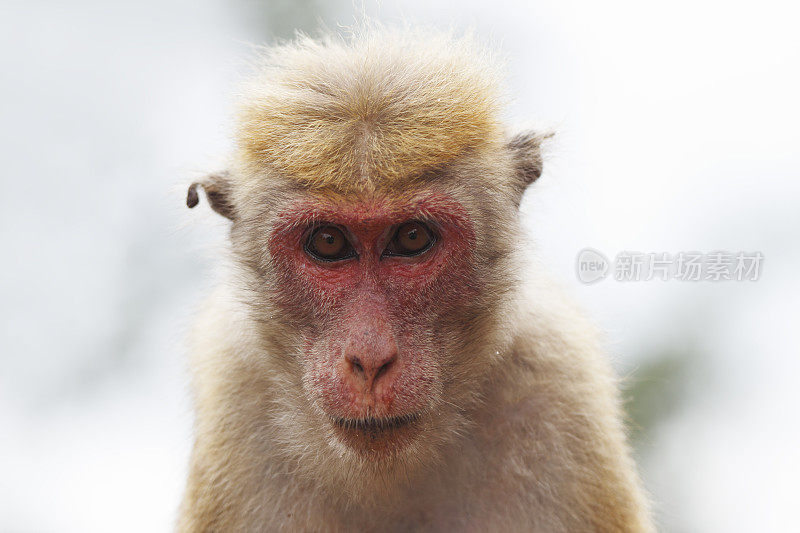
(329, 238)
(412, 234)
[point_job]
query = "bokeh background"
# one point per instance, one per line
(677, 130)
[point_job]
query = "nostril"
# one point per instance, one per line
(355, 364)
(383, 369)
(371, 368)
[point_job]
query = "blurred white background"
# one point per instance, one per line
(677, 130)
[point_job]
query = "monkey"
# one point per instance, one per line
(384, 355)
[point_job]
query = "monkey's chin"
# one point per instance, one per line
(377, 438)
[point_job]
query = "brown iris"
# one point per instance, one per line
(328, 243)
(411, 238)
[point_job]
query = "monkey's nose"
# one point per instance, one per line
(369, 368)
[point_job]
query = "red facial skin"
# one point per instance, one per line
(373, 350)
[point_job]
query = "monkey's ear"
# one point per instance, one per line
(218, 192)
(526, 154)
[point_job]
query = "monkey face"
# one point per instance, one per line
(372, 282)
(379, 310)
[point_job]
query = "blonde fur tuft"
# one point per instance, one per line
(369, 110)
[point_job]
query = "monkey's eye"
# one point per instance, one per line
(328, 243)
(410, 239)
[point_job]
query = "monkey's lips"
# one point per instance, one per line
(377, 436)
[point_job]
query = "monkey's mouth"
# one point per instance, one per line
(374, 424)
(377, 436)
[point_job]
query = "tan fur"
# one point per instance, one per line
(394, 105)
(525, 431)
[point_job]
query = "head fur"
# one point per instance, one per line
(371, 110)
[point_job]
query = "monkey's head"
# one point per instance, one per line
(373, 199)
